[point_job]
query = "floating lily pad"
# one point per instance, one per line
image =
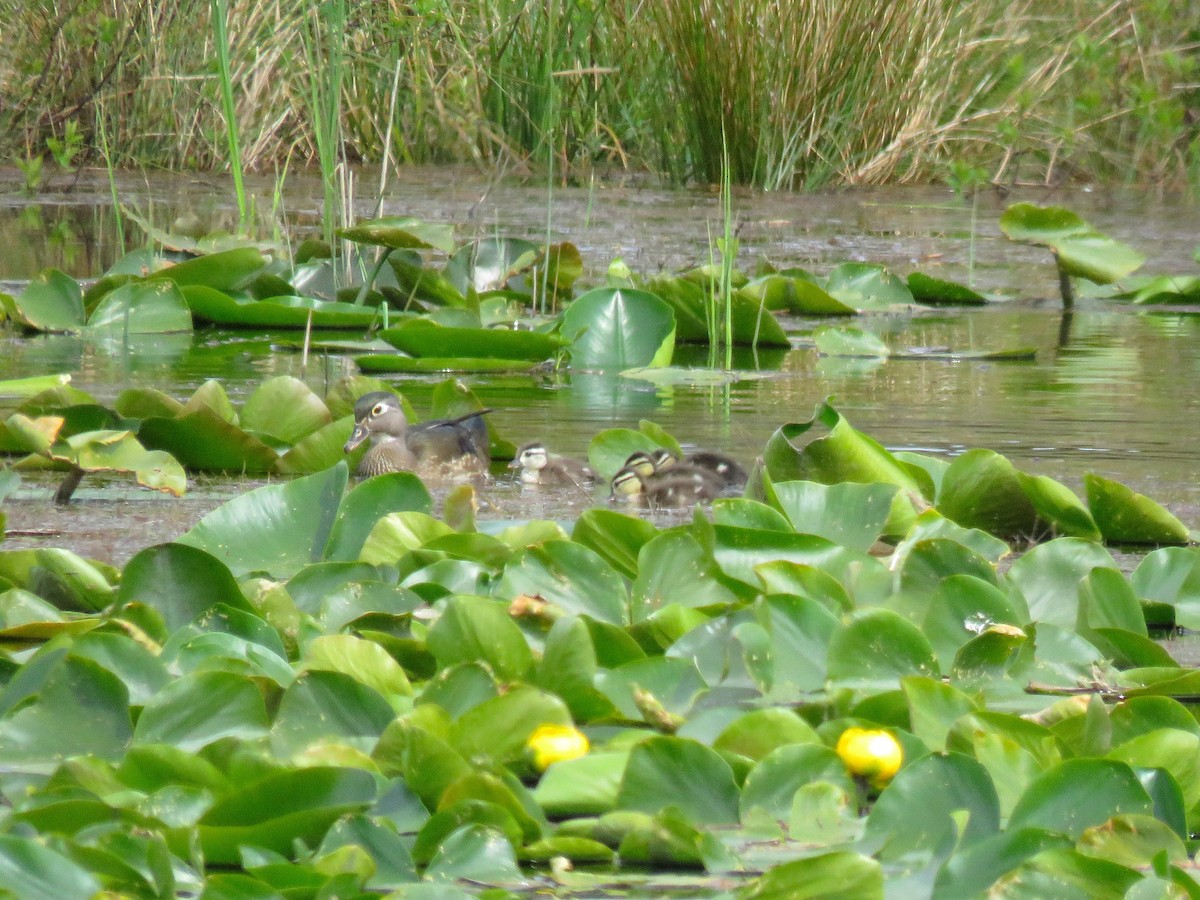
(211, 305)
(864, 286)
(843, 341)
(1127, 517)
(52, 301)
(940, 292)
(146, 307)
(422, 338)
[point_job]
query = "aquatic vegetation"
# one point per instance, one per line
(319, 673)
(1080, 251)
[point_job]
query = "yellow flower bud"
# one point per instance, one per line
(870, 753)
(553, 743)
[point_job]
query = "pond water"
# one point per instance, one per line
(1111, 391)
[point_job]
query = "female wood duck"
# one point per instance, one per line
(683, 487)
(727, 470)
(441, 446)
(541, 467)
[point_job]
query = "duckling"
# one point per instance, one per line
(669, 489)
(727, 470)
(541, 467)
(460, 443)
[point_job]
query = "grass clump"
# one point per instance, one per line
(809, 93)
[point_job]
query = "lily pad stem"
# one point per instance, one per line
(63, 495)
(1065, 287)
(362, 292)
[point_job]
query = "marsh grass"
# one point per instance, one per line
(811, 91)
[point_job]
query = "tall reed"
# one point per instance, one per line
(219, 11)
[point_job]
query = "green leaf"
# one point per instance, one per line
(204, 441)
(1079, 248)
(939, 292)
(1078, 794)
(182, 583)
(851, 515)
(279, 528)
(364, 661)
(476, 853)
(843, 454)
(981, 490)
(1126, 517)
(1171, 576)
(479, 629)
(843, 340)
(329, 706)
(1057, 504)
(57, 706)
(276, 811)
(878, 646)
(368, 502)
(772, 784)
(150, 307)
(569, 576)
(671, 771)
(227, 270)
(970, 872)
(210, 305)
(285, 408)
(498, 729)
(421, 338)
(674, 569)
(585, 786)
(52, 301)
(612, 328)
(841, 873)
(1048, 578)
(197, 709)
(29, 869)
(918, 810)
(760, 731)
(400, 232)
(864, 286)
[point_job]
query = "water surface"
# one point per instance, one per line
(1111, 390)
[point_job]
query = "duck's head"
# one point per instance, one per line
(641, 463)
(627, 485)
(531, 456)
(377, 414)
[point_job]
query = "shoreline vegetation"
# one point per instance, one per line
(790, 96)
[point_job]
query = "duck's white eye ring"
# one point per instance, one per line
(377, 409)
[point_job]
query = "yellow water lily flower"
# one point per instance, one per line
(554, 743)
(873, 754)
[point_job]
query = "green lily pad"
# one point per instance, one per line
(278, 528)
(611, 328)
(1126, 517)
(845, 341)
(981, 490)
(670, 771)
(1079, 249)
(400, 232)
(1078, 794)
(52, 301)
(865, 286)
(211, 305)
(280, 809)
(393, 362)
(226, 270)
(149, 307)
(422, 338)
(838, 873)
(939, 292)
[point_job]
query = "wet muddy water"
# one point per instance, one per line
(1112, 390)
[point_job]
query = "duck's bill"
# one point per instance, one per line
(357, 436)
